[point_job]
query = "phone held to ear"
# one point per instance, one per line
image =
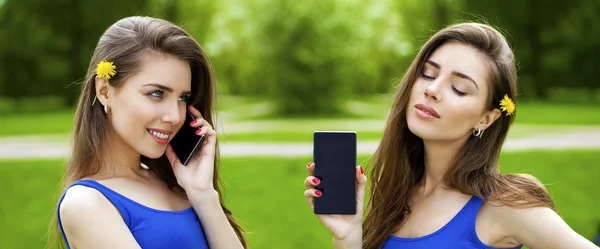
(335, 165)
(186, 142)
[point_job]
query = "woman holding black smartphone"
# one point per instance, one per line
(124, 186)
(435, 178)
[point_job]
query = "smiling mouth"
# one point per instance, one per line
(159, 137)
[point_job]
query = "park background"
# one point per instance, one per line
(285, 69)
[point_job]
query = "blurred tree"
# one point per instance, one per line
(577, 57)
(542, 47)
(307, 56)
(329, 50)
(47, 45)
(22, 42)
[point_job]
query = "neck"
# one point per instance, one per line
(438, 156)
(120, 159)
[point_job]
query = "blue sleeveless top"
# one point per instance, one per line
(458, 233)
(151, 228)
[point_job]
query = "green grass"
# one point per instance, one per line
(558, 114)
(265, 195)
(17, 124)
(242, 110)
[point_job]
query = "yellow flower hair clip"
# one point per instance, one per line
(507, 105)
(106, 69)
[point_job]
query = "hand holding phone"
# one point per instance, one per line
(335, 177)
(186, 142)
(192, 154)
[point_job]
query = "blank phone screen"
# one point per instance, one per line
(335, 165)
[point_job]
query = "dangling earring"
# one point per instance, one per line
(479, 132)
(106, 108)
(144, 166)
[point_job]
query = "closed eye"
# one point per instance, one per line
(458, 92)
(427, 76)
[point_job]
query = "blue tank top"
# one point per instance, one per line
(458, 233)
(151, 228)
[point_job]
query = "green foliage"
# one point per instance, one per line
(308, 56)
(553, 41)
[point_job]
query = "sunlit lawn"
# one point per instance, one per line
(265, 194)
(240, 111)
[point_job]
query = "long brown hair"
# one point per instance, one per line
(398, 164)
(124, 43)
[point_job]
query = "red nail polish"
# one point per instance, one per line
(193, 122)
(198, 131)
(318, 193)
(315, 180)
(308, 165)
(361, 170)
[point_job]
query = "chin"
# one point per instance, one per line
(153, 153)
(423, 131)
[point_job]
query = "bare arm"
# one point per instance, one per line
(219, 232)
(542, 228)
(197, 180)
(90, 221)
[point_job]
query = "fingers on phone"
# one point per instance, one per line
(312, 193)
(360, 174)
(194, 111)
(310, 167)
(311, 181)
(197, 122)
(206, 131)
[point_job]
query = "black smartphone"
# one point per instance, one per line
(186, 142)
(335, 165)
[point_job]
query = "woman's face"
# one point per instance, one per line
(448, 99)
(150, 107)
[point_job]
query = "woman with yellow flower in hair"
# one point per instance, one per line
(435, 177)
(124, 187)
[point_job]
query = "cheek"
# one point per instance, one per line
(132, 116)
(463, 116)
(416, 91)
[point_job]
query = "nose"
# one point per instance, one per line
(174, 114)
(433, 91)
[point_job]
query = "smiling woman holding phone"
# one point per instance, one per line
(435, 177)
(124, 185)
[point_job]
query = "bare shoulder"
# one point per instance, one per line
(511, 215)
(532, 221)
(511, 208)
(90, 220)
(80, 202)
(533, 179)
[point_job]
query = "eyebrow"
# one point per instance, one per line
(462, 75)
(165, 88)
